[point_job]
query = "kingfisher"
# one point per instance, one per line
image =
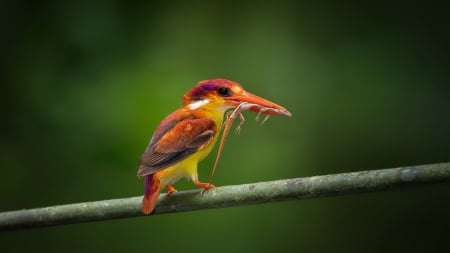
(186, 136)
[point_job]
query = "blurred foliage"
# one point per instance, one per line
(86, 82)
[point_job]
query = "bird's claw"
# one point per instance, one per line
(170, 190)
(204, 186)
(203, 190)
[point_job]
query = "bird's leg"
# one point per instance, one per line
(204, 186)
(170, 190)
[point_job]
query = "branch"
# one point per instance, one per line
(228, 196)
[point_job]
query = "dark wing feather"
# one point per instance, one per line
(174, 142)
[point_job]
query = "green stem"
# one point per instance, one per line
(228, 196)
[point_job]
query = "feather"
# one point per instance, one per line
(152, 189)
(174, 140)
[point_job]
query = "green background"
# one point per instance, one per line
(85, 83)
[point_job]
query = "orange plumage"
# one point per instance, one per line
(187, 136)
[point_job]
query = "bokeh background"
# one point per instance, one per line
(84, 84)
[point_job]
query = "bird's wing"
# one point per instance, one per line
(175, 140)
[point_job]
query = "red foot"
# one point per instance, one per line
(204, 186)
(170, 190)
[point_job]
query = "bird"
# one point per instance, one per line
(187, 135)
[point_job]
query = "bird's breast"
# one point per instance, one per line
(187, 168)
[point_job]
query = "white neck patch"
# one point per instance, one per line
(197, 104)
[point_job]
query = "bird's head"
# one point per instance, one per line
(222, 94)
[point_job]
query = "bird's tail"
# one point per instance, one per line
(152, 189)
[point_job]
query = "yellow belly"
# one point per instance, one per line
(186, 168)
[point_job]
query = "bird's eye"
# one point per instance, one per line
(224, 92)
